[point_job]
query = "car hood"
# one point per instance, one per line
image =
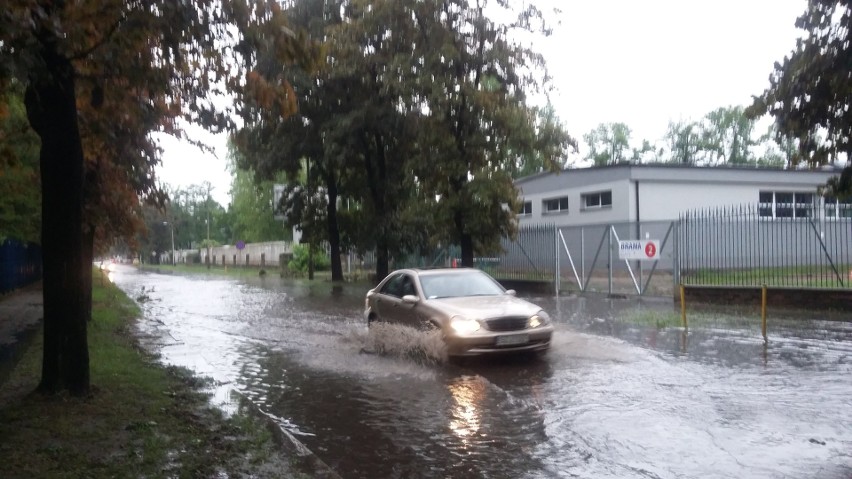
(484, 307)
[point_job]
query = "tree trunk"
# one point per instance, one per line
(382, 259)
(52, 112)
(464, 237)
(333, 229)
(311, 260)
(377, 184)
(465, 241)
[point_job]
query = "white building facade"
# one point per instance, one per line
(641, 193)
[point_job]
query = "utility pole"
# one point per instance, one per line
(172, 225)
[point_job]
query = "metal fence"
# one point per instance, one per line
(589, 258)
(20, 264)
(733, 246)
(739, 247)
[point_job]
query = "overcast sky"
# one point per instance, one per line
(646, 62)
(642, 63)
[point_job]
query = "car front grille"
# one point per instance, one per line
(508, 323)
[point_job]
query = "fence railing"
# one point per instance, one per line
(733, 246)
(737, 246)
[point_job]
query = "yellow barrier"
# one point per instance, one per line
(763, 302)
(763, 312)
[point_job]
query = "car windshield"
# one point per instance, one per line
(452, 285)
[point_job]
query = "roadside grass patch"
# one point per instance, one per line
(141, 420)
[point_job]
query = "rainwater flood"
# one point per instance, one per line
(618, 396)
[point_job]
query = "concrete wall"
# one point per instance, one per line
(253, 254)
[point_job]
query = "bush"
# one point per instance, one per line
(300, 260)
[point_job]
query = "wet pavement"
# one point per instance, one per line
(616, 397)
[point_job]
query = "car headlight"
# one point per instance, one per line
(462, 325)
(538, 319)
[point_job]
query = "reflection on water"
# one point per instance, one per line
(467, 393)
(617, 397)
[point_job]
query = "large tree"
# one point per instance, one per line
(419, 117)
(810, 91)
(373, 132)
(273, 144)
(100, 76)
(472, 78)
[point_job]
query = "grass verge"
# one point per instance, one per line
(142, 419)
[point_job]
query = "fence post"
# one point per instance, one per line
(683, 307)
(676, 254)
(609, 257)
(583, 258)
(558, 272)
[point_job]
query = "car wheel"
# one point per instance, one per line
(373, 318)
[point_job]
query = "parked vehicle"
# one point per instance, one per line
(475, 314)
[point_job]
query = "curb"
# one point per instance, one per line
(306, 458)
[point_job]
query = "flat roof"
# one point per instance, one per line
(576, 177)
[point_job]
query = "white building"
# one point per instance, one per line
(641, 193)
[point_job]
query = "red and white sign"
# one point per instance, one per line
(639, 250)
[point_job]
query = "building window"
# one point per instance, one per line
(786, 204)
(525, 209)
(837, 209)
(555, 205)
(600, 199)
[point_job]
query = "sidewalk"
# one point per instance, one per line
(21, 313)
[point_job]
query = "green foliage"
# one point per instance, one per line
(301, 256)
(608, 143)
(20, 198)
(810, 92)
(727, 136)
(417, 124)
(683, 142)
(251, 211)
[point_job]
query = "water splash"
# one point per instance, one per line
(423, 347)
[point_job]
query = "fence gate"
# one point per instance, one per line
(589, 261)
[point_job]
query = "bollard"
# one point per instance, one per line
(683, 307)
(763, 312)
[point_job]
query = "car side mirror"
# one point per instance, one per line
(511, 292)
(410, 299)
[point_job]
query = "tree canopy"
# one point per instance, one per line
(418, 121)
(810, 90)
(98, 78)
(608, 143)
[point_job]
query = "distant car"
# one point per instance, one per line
(475, 314)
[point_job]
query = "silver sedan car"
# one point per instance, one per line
(474, 312)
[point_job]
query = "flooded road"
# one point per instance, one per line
(614, 398)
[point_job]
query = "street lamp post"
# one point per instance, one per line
(172, 226)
